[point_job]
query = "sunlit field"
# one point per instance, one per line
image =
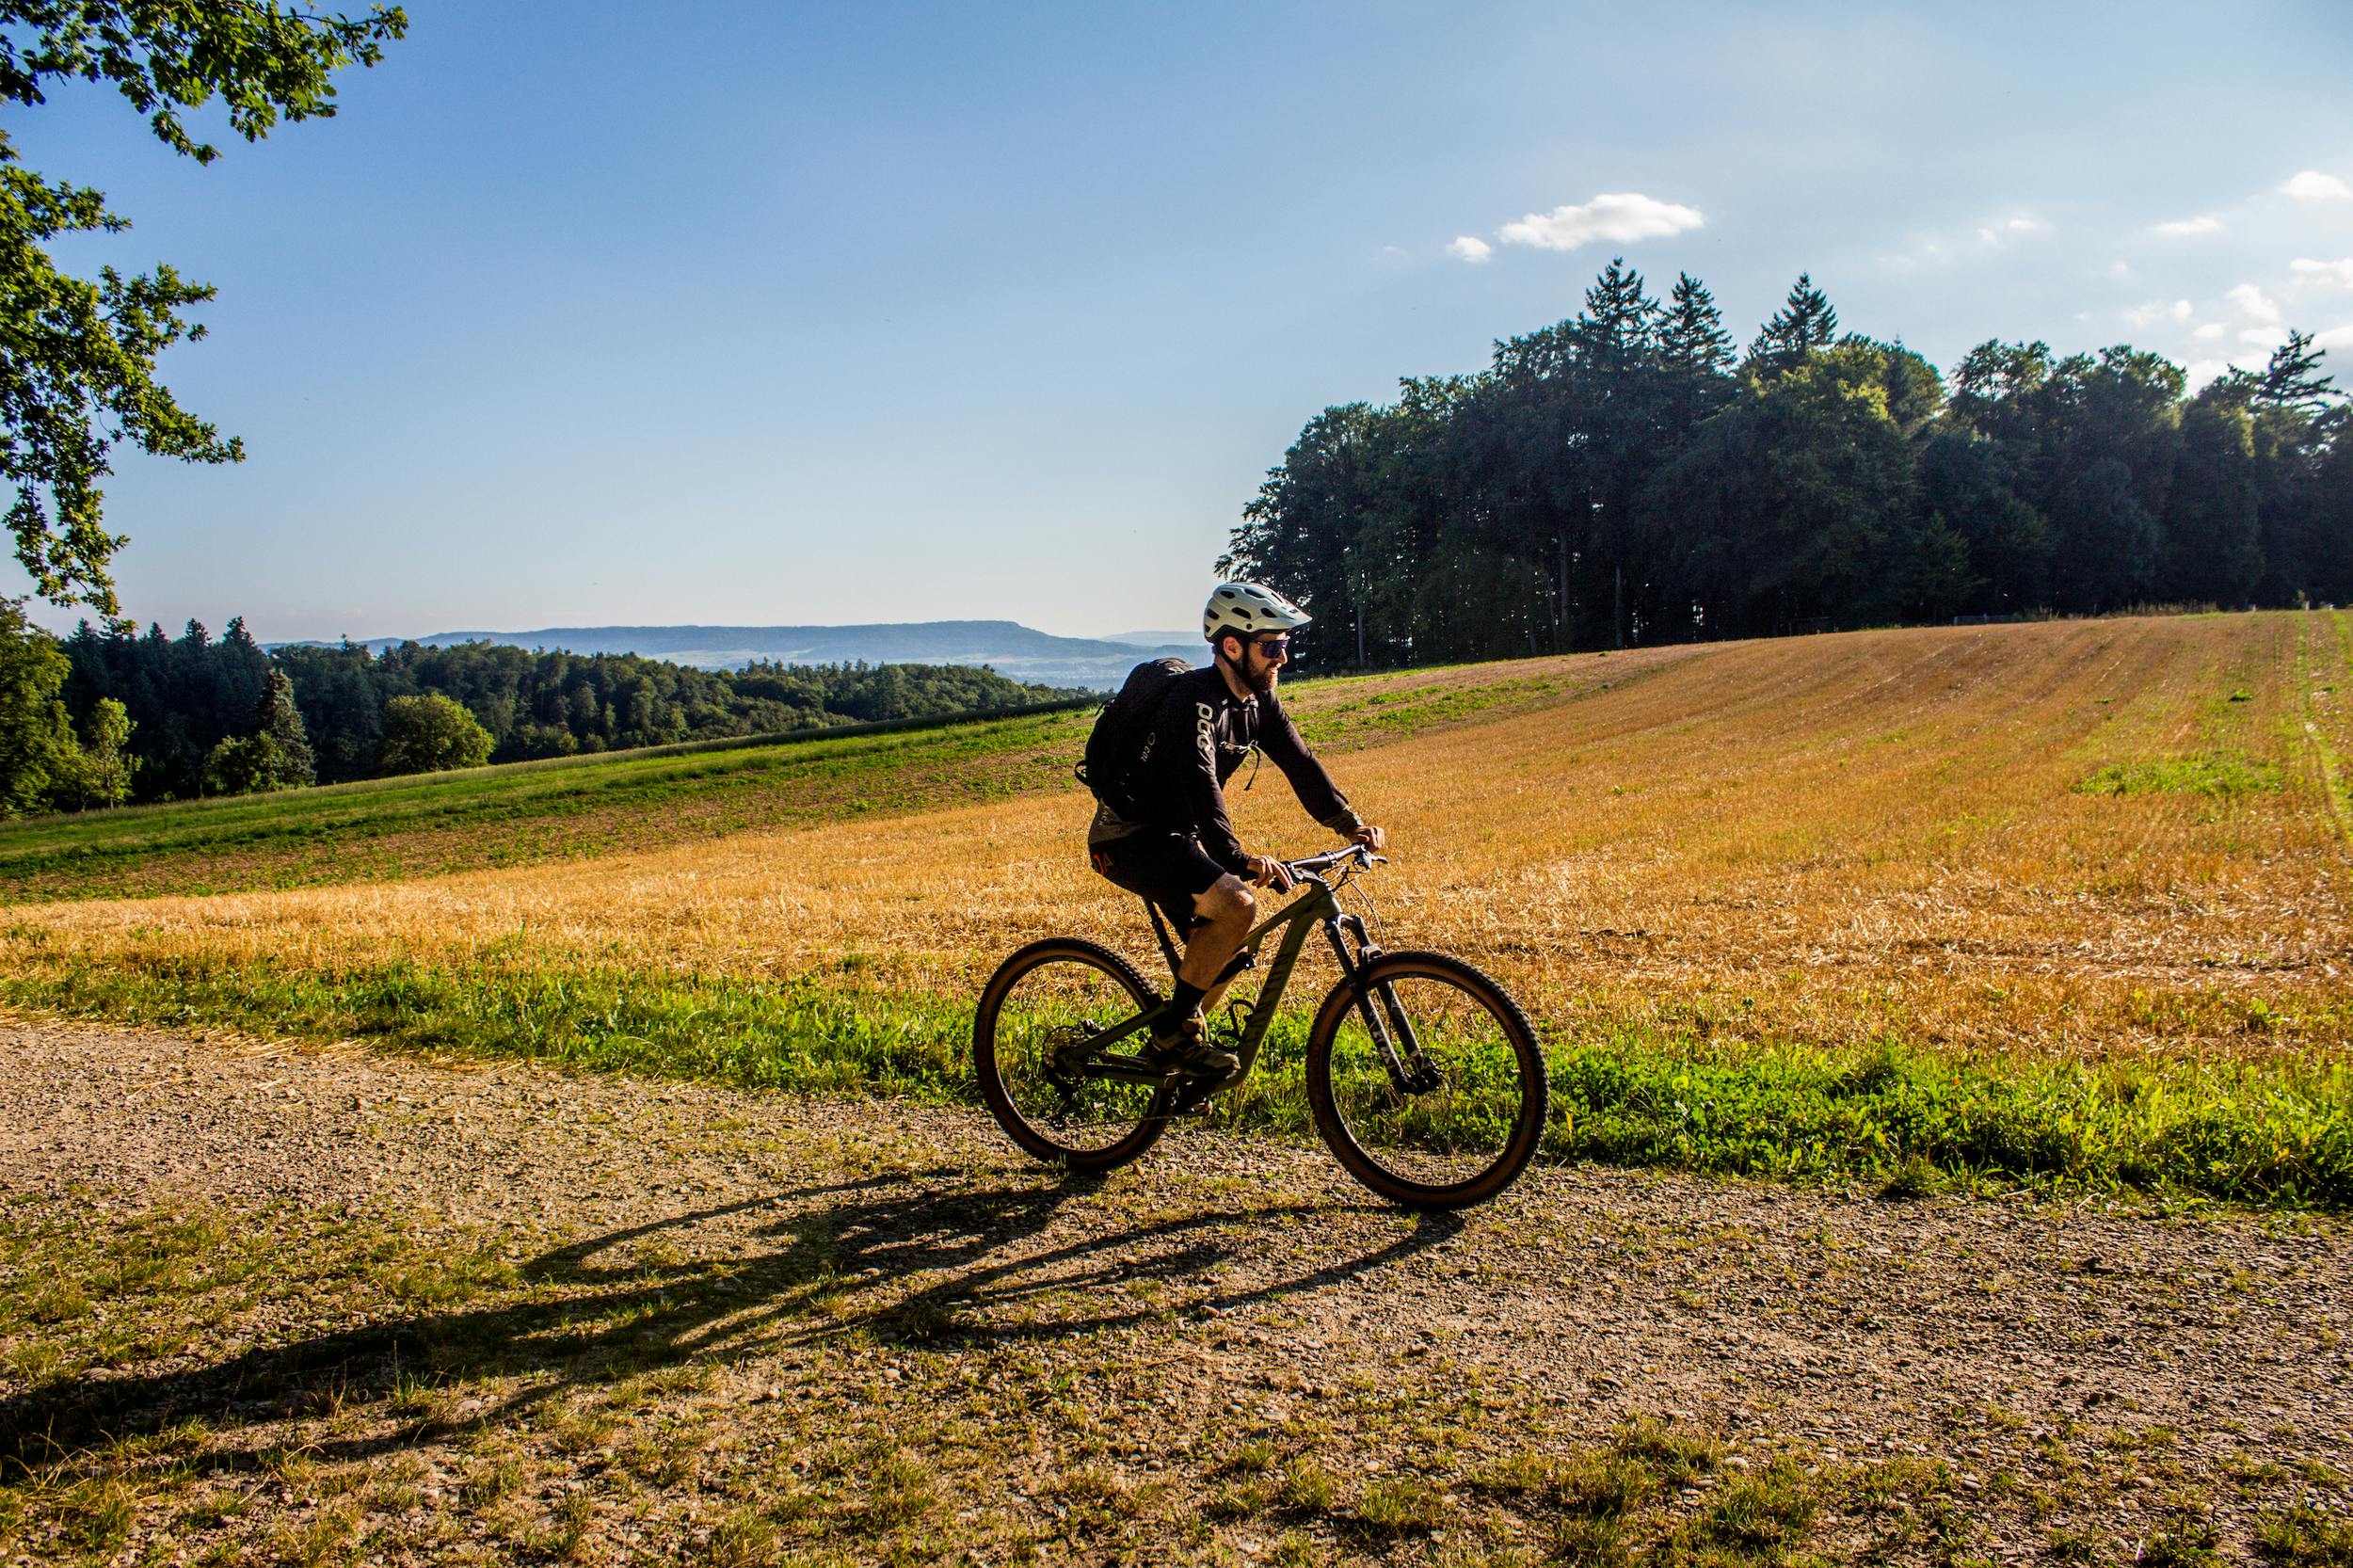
(575, 808)
(2099, 848)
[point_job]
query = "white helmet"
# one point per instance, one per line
(1247, 608)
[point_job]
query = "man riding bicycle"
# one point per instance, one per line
(1177, 847)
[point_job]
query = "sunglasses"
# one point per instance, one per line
(1274, 648)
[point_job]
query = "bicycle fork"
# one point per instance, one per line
(1408, 1068)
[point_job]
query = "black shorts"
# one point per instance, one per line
(1167, 868)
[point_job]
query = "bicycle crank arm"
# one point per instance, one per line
(1125, 1069)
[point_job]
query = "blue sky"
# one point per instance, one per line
(750, 313)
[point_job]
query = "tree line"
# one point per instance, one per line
(105, 715)
(1626, 478)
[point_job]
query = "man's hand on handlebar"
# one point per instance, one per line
(1267, 872)
(1370, 837)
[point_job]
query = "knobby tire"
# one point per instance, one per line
(1513, 1065)
(1006, 1033)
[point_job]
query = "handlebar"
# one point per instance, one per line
(1355, 856)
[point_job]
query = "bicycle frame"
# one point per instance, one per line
(1320, 907)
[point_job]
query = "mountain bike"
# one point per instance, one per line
(1424, 1076)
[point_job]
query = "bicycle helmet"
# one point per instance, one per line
(1247, 608)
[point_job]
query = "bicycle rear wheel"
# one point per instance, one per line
(1033, 1012)
(1473, 1128)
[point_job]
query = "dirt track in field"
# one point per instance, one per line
(2109, 1363)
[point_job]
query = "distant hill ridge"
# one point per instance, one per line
(1008, 647)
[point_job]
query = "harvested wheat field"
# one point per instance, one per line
(1818, 838)
(2113, 844)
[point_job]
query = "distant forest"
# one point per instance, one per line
(1625, 477)
(193, 699)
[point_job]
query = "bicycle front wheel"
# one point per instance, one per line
(1466, 1128)
(1036, 1010)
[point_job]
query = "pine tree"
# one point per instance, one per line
(1621, 322)
(1804, 324)
(277, 717)
(1692, 335)
(2293, 378)
(1697, 352)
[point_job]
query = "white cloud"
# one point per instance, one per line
(2324, 273)
(2211, 332)
(2156, 311)
(2202, 371)
(2336, 337)
(2255, 304)
(2264, 337)
(2010, 228)
(2207, 224)
(1470, 248)
(2122, 269)
(1622, 215)
(2312, 186)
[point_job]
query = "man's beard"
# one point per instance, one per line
(1259, 685)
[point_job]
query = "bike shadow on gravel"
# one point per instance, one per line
(927, 1258)
(987, 1275)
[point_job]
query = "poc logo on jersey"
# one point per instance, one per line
(1205, 728)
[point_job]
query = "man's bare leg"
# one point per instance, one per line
(1225, 911)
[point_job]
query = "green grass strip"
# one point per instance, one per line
(430, 823)
(2218, 773)
(2274, 1134)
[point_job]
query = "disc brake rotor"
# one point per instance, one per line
(1066, 1054)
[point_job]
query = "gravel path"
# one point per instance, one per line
(1259, 1286)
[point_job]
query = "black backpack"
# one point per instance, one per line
(1120, 729)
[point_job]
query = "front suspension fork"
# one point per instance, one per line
(1393, 1039)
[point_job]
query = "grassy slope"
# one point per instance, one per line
(430, 824)
(2023, 903)
(525, 813)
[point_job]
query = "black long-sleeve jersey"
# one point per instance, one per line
(1198, 738)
